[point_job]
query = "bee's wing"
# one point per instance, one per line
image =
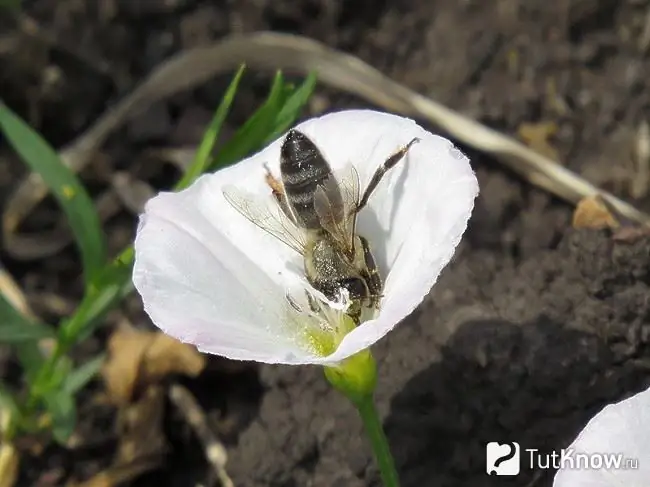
(267, 215)
(335, 203)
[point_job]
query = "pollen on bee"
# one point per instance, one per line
(273, 182)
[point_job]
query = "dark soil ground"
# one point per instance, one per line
(532, 328)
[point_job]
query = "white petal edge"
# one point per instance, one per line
(624, 428)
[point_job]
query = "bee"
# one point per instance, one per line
(315, 213)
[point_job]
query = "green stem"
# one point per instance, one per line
(356, 378)
(378, 440)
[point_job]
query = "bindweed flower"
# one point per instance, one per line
(210, 277)
(613, 450)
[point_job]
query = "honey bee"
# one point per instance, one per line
(315, 214)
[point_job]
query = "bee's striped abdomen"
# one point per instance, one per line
(303, 169)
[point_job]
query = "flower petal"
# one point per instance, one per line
(621, 428)
(414, 221)
(200, 288)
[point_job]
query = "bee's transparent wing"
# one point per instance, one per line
(335, 203)
(265, 212)
(348, 179)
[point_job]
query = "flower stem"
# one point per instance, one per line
(356, 378)
(378, 440)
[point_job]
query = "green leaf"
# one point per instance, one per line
(256, 129)
(82, 375)
(202, 158)
(60, 370)
(7, 400)
(104, 293)
(29, 354)
(9, 406)
(65, 186)
(16, 328)
(18, 332)
(31, 359)
(292, 107)
(60, 405)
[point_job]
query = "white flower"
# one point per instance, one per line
(619, 433)
(209, 277)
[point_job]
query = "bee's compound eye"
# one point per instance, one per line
(355, 286)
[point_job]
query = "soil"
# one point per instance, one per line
(531, 329)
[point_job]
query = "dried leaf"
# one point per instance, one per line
(141, 358)
(592, 212)
(141, 428)
(133, 193)
(9, 461)
(142, 442)
(537, 135)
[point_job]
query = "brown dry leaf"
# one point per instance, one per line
(141, 358)
(537, 135)
(142, 442)
(9, 461)
(592, 212)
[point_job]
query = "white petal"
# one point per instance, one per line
(200, 288)
(621, 428)
(415, 218)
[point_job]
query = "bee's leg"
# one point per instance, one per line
(273, 182)
(278, 193)
(383, 169)
(372, 276)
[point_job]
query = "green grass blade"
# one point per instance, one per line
(7, 400)
(105, 292)
(8, 406)
(292, 107)
(65, 186)
(204, 152)
(63, 413)
(19, 332)
(256, 129)
(83, 374)
(31, 359)
(29, 355)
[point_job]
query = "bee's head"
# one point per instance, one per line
(355, 286)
